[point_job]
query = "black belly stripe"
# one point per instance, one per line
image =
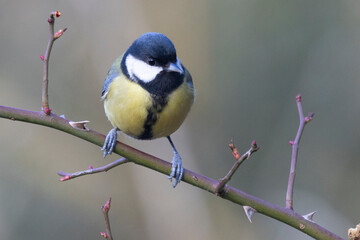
(159, 102)
(159, 88)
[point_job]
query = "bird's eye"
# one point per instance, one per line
(151, 61)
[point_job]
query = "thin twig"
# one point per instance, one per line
(105, 210)
(52, 37)
(295, 148)
(68, 176)
(239, 159)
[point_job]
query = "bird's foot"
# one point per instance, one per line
(110, 142)
(177, 169)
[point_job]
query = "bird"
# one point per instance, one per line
(147, 94)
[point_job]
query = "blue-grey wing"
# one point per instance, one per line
(114, 71)
(188, 78)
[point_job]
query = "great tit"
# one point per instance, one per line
(147, 94)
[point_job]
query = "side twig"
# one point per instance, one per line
(295, 148)
(53, 36)
(239, 159)
(105, 210)
(91, 170)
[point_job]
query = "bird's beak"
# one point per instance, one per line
(175, 67)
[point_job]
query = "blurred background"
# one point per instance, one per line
(248, 60)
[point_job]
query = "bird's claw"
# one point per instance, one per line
(177, 169)
(110, 142)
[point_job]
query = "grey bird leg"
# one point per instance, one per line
(177, 169)
(110, 142)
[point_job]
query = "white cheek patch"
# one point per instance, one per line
(141, 70)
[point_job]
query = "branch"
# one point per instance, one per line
(91, 170)
(53, 36)
(230, 193)
(105, 210)
(295, 148)
(239, 159)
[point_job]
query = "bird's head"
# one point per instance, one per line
(149, 56)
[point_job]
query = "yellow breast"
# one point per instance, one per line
(175, 111)
(127, 106)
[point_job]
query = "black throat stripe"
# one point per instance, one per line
(160, 88)
(159, 102)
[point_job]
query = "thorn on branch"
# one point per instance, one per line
(309, 216)
(81, 125)
(249, 211)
